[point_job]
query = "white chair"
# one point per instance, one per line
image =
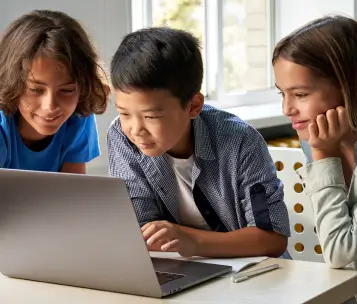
(303, 243)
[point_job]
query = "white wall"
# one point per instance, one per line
(291, 14)
(107, 21)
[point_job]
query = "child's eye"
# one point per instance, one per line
(300, 95)
(152, 117)
(68, 91)
(36, 90)
(281, 93)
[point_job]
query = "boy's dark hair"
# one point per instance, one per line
(159, 58)
(56, 36)
(328, 48)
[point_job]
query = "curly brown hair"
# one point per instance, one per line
(59, 37)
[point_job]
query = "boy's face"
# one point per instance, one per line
(156, 122)
(49, 99)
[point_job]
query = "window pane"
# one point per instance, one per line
(246, 36)
(188, 15)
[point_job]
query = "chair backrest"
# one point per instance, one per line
(303, 243)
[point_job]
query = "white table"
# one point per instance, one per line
(295, 282)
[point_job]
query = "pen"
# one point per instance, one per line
(249, 274)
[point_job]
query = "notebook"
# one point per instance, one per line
(238, 264)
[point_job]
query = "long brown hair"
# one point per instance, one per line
(328, 48)
(57, 36)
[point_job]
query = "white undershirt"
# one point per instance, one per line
(189, 213)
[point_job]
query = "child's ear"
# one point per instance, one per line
(196, 105)
(106, 90)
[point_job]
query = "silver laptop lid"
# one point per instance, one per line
(52, 229)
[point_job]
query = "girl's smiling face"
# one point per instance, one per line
(305, 96)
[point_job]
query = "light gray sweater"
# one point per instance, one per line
(335, 208)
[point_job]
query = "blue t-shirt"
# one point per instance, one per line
(75, 142)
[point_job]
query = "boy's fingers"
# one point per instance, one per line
(159, 235)
(170, 246)
(151, 230)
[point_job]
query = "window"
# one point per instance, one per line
(188, 15)
(236, 38)
(245, 45)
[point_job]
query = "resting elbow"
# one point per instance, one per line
(279, 246)
(337, 259)
(336, 256)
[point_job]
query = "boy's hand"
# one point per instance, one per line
(166, 236)
(328, 132)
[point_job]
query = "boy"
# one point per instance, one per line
(201, 180)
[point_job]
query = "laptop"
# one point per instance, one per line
(82, 231)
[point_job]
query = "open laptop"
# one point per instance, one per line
(82, 231)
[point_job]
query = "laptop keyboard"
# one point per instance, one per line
(165, 277)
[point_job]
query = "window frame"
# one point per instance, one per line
(213, 55)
